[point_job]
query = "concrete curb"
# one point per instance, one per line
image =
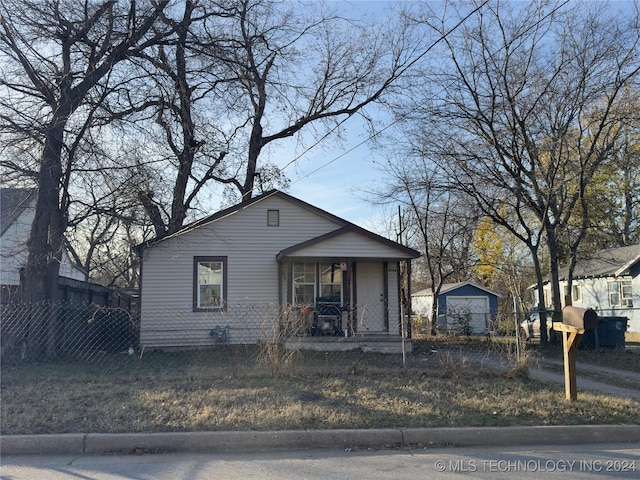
(241, 441)
(513, 436)
(101, 443)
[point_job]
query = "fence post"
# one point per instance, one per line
(516, 303)
(403, 335)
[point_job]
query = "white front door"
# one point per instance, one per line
(371, 309)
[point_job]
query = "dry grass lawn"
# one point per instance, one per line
(228, 389)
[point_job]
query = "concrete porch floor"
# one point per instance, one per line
(367, 343)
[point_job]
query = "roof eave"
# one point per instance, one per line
(626, 267)
(287, 252)
(462, 284)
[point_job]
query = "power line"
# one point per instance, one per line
(315, 144)
(326, 164)
(400, 73)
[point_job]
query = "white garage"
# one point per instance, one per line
(467, 315)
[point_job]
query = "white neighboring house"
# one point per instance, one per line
(17, 209)
(608, 282)
(239, 272)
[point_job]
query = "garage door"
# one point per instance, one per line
(467, 315)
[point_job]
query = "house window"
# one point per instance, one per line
(627, 293)
(331, 280)
(614, 293)
(620, 293)
(304, 283)
(576, 292)
(546, 295)
(273, 218)
(311, 280)
(209, 283)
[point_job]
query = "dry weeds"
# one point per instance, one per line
(227, 389)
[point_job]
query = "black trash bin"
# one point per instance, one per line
(610, 333)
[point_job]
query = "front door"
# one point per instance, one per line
(371, 308)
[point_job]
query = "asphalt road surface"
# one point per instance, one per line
(548, 462)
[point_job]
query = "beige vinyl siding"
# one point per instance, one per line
(350, 244)
(244, 323)
(252, 274)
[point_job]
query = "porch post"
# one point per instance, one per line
(289, 282)
(385, 292)
(352, 324)
(346, 293)
(280, 272)
(408, 298)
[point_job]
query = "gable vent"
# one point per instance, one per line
(273, 218)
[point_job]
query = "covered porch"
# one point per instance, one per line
(345, 290)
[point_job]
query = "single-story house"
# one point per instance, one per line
(17, 210)
(607, 281)
(268, 265)
(463, 307)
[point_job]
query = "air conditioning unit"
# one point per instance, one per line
(628, 302)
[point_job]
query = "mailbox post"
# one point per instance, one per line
(575, 322)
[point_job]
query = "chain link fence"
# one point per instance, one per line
(92, 333)
(38, 332)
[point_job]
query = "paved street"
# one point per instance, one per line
(583, 462)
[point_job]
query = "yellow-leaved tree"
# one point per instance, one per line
(487, 247)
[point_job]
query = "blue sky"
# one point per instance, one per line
(351, 167)
(330, 175)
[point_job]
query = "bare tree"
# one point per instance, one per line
(239, 76)
(167, 100)
(58, 60)
(292, 67)
(105, 225)
(522, 113)
(439, 222)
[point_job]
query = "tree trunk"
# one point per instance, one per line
(434, 311)
(45, 244)
(542, 309)
(255, 147)
(556, 300)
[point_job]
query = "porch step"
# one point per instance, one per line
(366, 343)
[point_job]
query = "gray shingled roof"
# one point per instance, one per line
(13, 201)
(605, 263)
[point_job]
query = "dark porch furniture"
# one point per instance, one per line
(327, 318)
